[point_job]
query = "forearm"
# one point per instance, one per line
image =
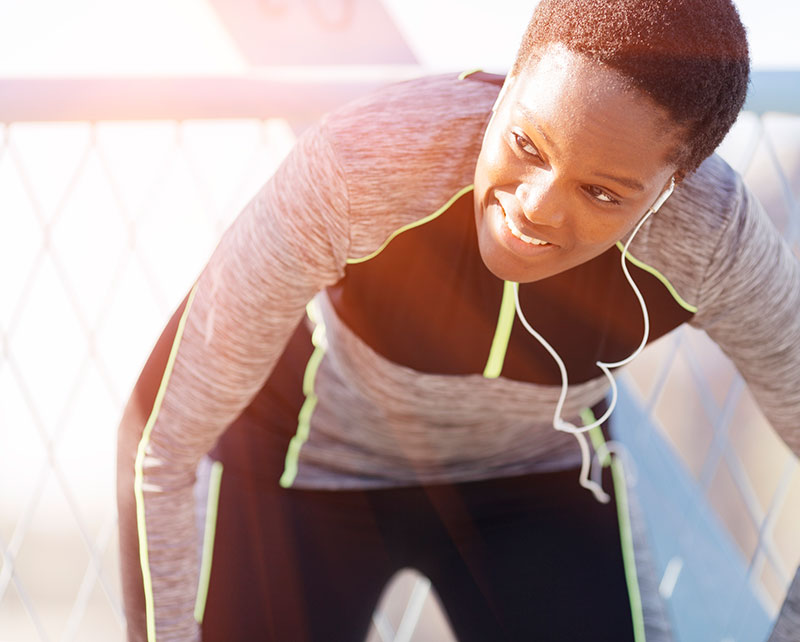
(751, 309)
(212, 358)
(143, 544)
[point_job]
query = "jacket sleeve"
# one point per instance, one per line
(210, 361)
(750, 306)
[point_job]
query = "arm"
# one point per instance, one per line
(212, 358)
(750, 306)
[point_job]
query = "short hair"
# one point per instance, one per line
(690, 56)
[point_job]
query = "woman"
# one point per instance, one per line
(411, 421)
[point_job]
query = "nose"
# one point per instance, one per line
(539, 201)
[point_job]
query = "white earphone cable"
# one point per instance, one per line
(558, 422)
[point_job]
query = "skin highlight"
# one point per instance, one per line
(572, 156)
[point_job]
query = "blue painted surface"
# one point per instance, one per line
(712, 600)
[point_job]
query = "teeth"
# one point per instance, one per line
(522, 237)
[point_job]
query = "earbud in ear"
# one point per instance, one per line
(663, 197)
(494, 107)
(500, 95)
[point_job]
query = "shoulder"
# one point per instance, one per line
(405, 107)
(690, 223)
(406, 149)
(413, 125)
(709, 197)
(690, 232)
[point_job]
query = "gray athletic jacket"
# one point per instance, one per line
(380, 168)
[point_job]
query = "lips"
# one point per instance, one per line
(522, 237)
(522, 231)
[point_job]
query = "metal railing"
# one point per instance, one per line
(92, 211)
(734, 485)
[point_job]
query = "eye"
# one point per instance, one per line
(599, 194)
(524, 144)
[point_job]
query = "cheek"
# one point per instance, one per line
(600, 231)
(494, 162)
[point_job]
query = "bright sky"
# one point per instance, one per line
(771, 24)
(86, 37)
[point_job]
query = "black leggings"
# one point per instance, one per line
(528, 558)
(524, 558)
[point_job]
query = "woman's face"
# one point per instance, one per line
(570, 162)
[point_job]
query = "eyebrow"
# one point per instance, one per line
(532, 120)
(630, 183)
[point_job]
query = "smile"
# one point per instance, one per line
(516, 232)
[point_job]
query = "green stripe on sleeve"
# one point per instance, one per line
(466, 74)
(138, 478)
(212, 506)
(505, 321)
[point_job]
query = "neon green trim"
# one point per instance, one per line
(626, 537)
(410, 226)
(138, 479)
(465, 74)
(212, 506)
(647, 268)
(505, 321)
(625, 532)
(304, 417)
(595, 434)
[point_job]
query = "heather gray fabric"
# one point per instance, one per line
(380, 163)
(438, 422)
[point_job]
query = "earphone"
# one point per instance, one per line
(565, 426)
(495, 105)
(500, 96)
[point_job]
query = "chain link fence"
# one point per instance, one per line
(722, 492)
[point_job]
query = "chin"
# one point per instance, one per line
(509, 267)
(502, 270)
